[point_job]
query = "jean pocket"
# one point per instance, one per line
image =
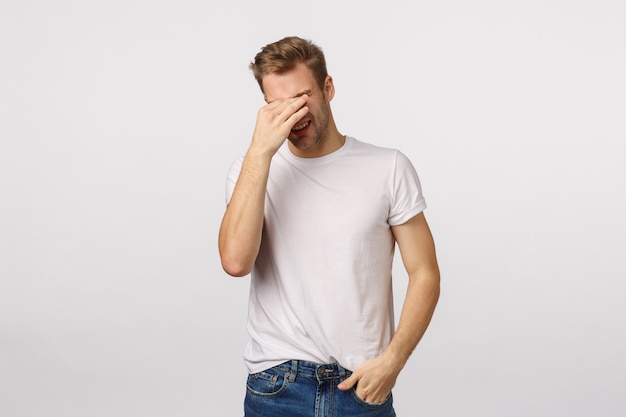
(364, 403)
(268, 383)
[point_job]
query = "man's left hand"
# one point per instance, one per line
(374, 380)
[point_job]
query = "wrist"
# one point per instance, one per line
(395, 357)
(259, 156)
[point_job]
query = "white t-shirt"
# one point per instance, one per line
(321, 286)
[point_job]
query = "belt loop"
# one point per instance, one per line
(294, 371)
(342, 371)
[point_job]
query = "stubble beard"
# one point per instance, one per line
(321, 125)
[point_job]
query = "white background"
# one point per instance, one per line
(119, 120)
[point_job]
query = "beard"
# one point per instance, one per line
(316, 131)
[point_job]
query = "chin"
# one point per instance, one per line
(303, 144)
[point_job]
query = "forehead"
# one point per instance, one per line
(288, 84)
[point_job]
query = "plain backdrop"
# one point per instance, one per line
(119, 120)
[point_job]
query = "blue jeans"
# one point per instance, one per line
(306, 389)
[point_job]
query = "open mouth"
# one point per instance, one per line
(301, 128)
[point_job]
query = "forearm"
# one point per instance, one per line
(418, 308)
(377, 376)
(242, 225)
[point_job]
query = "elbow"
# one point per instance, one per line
(436, 286)
(237, 255)
(235, 267)
(234, 260)
(436, 282)
(428, 280)
(437, 291)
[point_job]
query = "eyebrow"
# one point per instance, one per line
(307, 92)
(300, 94)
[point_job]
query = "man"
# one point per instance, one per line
(314, 216)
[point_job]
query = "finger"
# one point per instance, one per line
(292, 105)
(378, 399)
(370, 394)
(297, 116)
(348, 382)
(283, 102)
(281, 111)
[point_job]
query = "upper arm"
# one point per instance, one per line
(416, 245)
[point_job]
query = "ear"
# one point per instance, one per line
(329, 88)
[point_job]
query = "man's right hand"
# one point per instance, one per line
(242, 225)
(274, 123)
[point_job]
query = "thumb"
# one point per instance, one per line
(348, 382)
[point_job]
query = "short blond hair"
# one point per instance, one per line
(283, 55)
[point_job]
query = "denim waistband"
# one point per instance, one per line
(321, 371)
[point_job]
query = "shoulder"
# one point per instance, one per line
(358, 147)
(378, 153)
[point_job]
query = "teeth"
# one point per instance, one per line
(301, 126)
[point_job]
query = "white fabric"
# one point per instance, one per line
(321, 285)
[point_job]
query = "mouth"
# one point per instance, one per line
(300, 128)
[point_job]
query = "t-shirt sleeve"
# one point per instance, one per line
(231, 178)
(407, 197)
